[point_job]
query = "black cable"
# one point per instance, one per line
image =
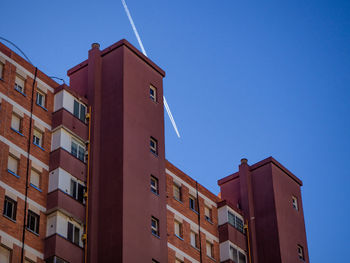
(20, 50)
(199, 225)
(27, 173)
(53, 77)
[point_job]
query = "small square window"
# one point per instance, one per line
(155, 226)
(38, 137)
(41, 98)
(19, 84)
(73, 233)
(154, 185)
(301, 252)
(12, 164)
(210, 249)
(295, 203)
(194, 240)
(33, 222)
(35, 178)
(16, 123)
(177, 192)
(10, 208)
(5, 254)
(208, 214)
(153, 93)
(178, 229)
(193, 203)
(153, 146)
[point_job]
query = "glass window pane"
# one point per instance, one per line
(15, 123)
(70, 231)
(242, 258)
(233, 254)
(76, 109)
(74, 149)
(82, 112)
(76, 235)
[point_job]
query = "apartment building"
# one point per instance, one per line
(83, 175)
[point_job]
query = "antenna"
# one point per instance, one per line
(144, 52)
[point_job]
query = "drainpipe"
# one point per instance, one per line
(86, 196)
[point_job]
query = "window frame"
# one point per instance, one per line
(301, 254)
(180, 228)
(20, 120)
(154, 188)
(80, 147)
(9, 250)
(196, 239)
(238, 222)
(79, 114)
(36, 138)
(154, 96)
(179, 187)
(43, 102)
(211, 249)
(17, 161)
(2, 66)
(36, 218)
(194, 199)
(153, 148)
(295, 202)
(155, 229)
(210, 217)
(77, 190)
(73, 237)
(9, 200)
(38, 187)
(18, 87)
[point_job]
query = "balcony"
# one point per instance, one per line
(228, 232)
(62, 158)
(55, 245)
(60, 200)
(72, 123)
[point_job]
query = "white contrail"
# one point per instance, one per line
(171, 117)
(134, 27)
(144, 52)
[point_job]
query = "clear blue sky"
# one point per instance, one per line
(244, 79)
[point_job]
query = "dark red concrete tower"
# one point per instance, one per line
(117, 81)
(269, 196)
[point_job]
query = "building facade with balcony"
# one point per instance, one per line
(84, 178)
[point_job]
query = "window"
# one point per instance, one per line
(194, 239)
(79, 110)
(178, 229)
(210, 249)
(73, 233)
(208, 214)
(10, 208)
(55, 259)
(153, 146)
(5, 255)
(77, 190)
(38, 137)
(193, 203)
(19, 84)
(301, 252)
(177, 192)
(78, 150)
(40, 98)
(154, 185)
(16, 123)
(295, 203)
(153, 93)
(155, 226)
(33, 222)
(236, 255)
(1, 70)
(236, 222)
(12, 165)
(35, 178)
